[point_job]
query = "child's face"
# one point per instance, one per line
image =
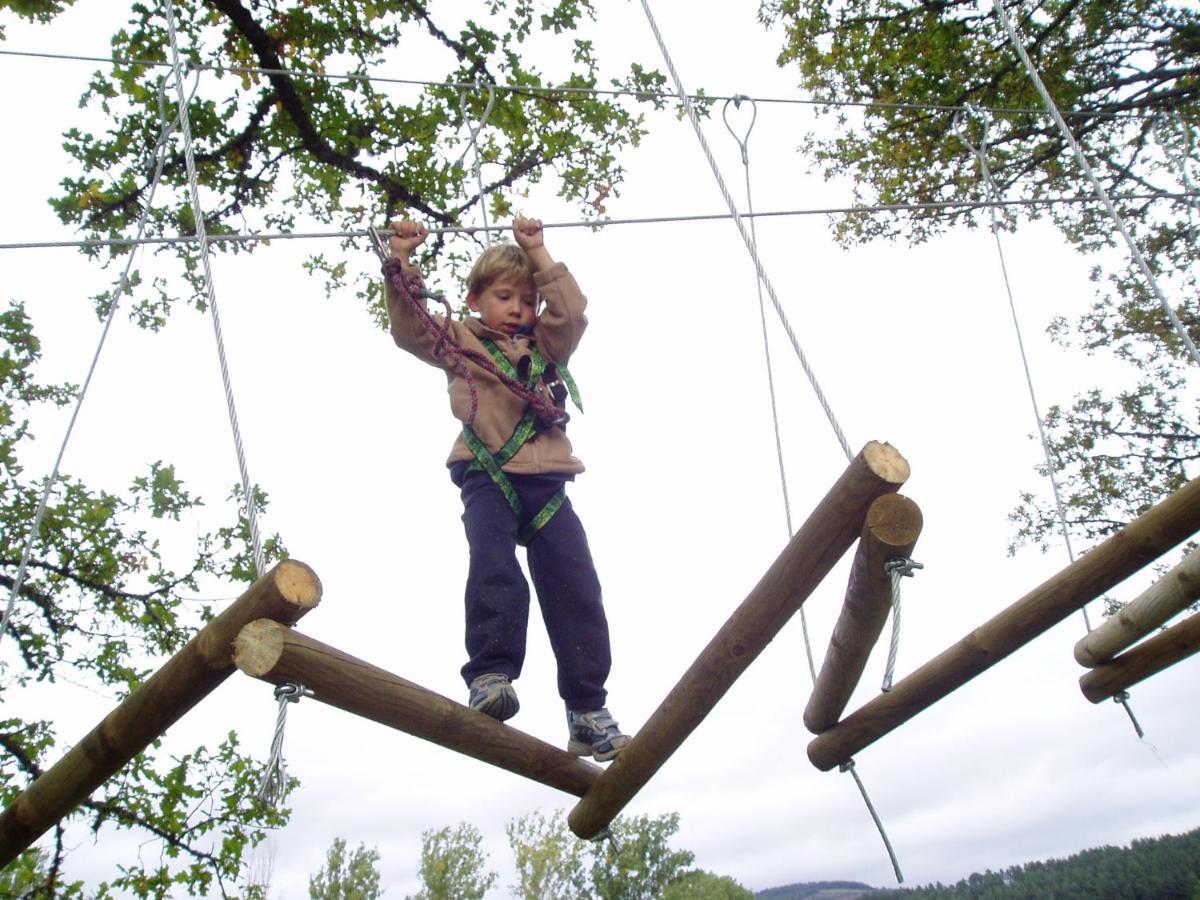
(508, 304)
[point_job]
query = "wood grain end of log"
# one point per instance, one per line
(886, 462)
(258, 647)
(298, 583)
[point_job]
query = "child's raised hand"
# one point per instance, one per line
(527, 233)
(406, 237)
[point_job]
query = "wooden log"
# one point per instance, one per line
(279, 655)
(816, 547)
(1142, 541)
(890, 532)
(1171, 594)
(284, 594)
(1148, 658)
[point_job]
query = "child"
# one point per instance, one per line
(511, 463)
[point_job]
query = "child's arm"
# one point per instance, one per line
(405, 238)
(561, 324)
(528, 235)
(407, 330)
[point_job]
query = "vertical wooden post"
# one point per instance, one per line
(1171, 594)
(1142, 541)
(1148, 658)
(816, 547)
(279, 655)
(890, 532)
(285, 594)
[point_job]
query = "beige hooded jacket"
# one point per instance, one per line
(556, 333)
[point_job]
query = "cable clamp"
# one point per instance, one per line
(292, 692)
(902, 565)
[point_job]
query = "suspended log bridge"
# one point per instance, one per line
(891, 530)
(816, 547)
(284, 594)
(1141, 542)
(1148, 658)
(279, 655)
(1171, 594)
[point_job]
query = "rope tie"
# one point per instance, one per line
(899, 568)
(1134, 251)
(473, 145)
(157, 157)
(185, 129)
(275, 780)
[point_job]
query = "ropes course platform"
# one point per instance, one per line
(254, 635)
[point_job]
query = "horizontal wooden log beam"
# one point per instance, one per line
(1148, 658)
(280, 655)
(1170, 595)
(890, 532)
(1141, 542)
(816, 547)
(284, 594)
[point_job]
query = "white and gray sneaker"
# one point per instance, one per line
(494, 695)
(595, 733)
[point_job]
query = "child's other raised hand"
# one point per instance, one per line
(406, 237)
(527, 233)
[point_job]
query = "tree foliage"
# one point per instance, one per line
(1150, 868)
(292, 123)
(1127, 76)
(99, 606)
(289, 128)
(636, 862)
(454, 865)
(353, 876)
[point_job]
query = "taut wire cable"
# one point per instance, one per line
(864, 209)
(559, 90)
(752, 247)
(980, 153)
(743, 143)
(749, 242)
(159, 159)
(211, 295)
(474, 129)
(1178, 160)
(1134, 251)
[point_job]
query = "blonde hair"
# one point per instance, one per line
(499, 261)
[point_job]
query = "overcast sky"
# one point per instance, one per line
(681, 500)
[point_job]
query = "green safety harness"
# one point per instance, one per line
(559, 380)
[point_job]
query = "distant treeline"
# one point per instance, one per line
(810, 889)
(1165, 868)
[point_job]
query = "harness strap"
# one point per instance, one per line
(492, 463)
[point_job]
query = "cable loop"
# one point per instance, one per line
(473, 145)
(744, 140)
(274, 782)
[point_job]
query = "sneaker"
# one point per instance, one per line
(595, 733)
(494, 695)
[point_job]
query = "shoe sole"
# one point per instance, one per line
(582, 748)
(501, 707)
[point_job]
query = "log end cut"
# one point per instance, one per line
(886, 462)
(258, 647)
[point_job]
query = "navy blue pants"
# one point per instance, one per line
(564, 577)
